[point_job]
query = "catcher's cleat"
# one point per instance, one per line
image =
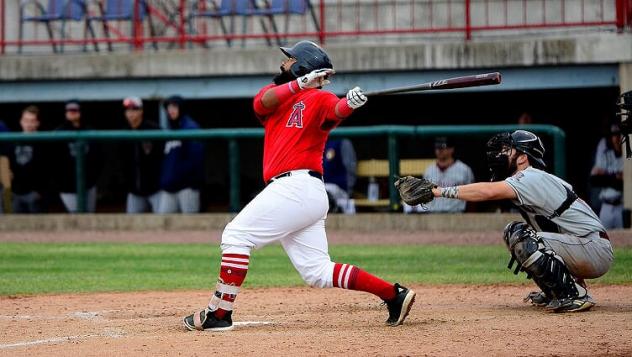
(571, 304)
(399, 306)
(537, 298)
(205, 320)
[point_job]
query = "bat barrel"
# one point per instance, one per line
(477, 80)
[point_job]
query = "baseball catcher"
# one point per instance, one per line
(562, 241)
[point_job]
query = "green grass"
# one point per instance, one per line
(35, 268)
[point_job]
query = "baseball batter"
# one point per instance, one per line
(297, 116)
(562, 241)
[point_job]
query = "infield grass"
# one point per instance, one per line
(36, 268)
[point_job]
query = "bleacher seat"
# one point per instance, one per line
(123, 10)
(56, 10)
(213, 9)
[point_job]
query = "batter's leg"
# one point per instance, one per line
(308, 252)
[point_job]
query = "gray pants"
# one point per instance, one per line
(586, 257)
(185, 201)
(70, 200)
(611, 216)
(141, 204)
(27, 203)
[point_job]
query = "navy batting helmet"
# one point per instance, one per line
(309, 56)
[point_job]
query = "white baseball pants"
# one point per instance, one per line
(291, 210)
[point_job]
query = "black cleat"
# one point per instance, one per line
(574, 304)
(206, 321)
(399, 306)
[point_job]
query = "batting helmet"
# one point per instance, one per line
(530, 144)
(309, 56)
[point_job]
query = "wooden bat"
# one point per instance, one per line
(476, 80)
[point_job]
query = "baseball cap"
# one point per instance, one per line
(443, 142)
(73, 105)
(132, 103)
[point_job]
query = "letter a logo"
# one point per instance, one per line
(296, 118)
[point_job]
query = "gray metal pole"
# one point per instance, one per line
(80, 177)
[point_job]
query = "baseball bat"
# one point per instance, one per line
(476, 80)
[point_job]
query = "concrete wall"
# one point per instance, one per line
(471, 222)
(511, 52)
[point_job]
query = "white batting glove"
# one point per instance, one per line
(356, 98)
(315, 79)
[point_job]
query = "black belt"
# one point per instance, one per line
(312, 173)
(604, 235)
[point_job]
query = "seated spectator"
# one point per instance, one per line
(607, 174)
(67, 152)
(182, 173)
(28, 167)
(525, 119)
(339, 166)
(447, 171)
(142, 162)
(5, 173)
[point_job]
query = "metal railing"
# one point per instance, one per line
(174, 24)
(232, 136)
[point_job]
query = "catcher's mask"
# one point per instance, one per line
(625, 113)
(499, 161)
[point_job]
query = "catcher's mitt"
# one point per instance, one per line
(414, 190)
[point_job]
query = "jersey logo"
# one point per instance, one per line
(296, 118)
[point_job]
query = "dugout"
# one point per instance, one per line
(583, 113)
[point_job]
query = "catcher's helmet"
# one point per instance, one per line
(309, 56)
(530, 144)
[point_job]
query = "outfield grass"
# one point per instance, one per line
(34, 268)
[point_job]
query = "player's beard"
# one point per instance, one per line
(501, 166)
(283, 77)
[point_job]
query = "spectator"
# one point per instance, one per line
(339, 165)
(5, 173)
(66, 180)
(142, 162)
(525, 119)
(28, 167)
(447, 171)
(182, 172)
(607, 174)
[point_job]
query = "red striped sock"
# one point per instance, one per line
(350, 277)
(233, 272)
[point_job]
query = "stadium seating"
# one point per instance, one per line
(55, 10)
(122, 10)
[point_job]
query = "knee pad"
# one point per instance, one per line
(546, 268)
(510, 233)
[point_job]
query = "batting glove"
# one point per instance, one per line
(315, 79)
(356, 98)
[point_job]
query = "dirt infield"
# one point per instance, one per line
(445, 321)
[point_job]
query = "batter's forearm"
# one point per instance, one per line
(277, 95)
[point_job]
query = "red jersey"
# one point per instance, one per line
(296, 131)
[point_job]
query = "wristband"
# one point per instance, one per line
(450, 192)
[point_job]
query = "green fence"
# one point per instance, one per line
(232, 136)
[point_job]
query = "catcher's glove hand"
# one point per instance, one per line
(414, 190)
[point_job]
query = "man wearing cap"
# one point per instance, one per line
(446, 172)
(67, 152)
(182, 173)
(607, 174)
(142, 161)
